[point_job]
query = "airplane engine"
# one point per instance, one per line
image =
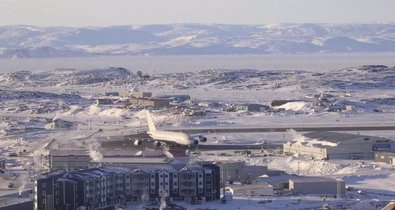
(195, 142)
(137, 142)
(202, 139)
(158, 143)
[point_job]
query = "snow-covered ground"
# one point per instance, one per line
(29, 102)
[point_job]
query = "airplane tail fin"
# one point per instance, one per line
(151, 125)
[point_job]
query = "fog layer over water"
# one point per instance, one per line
(172, 64)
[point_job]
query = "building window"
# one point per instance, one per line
(200, 190)
(57, 185)
(208, 178)
(44, 193)
(43, 185)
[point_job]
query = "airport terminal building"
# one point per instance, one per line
(105, 187)
(336, 145)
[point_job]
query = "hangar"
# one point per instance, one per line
(336, 145)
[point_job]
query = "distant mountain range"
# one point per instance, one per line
(191, 39)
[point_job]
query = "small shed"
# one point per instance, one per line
(257, 107)
(385, 157)
(61, 124)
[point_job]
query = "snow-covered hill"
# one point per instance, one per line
(31, 41)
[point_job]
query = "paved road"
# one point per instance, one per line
(284, 129)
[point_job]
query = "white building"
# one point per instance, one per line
(335, 145)
(240, 171)
(251, 190)
(61, 124)
(317, 186)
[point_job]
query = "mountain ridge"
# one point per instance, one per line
(23, 41)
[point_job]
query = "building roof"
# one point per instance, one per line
(134, 160)
(156, 168)
(255, 186)
(386, 153)
(153, 99)
(337, 137)
(193, 168)
(306, 179)
(68, 153)
(390, 206)
(107, 153)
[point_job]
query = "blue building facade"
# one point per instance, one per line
(105, 187)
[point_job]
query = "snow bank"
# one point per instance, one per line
(304, 167)
(158, 118)
(106, 112)
(296, 106)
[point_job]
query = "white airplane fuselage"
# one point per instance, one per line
(170, 136)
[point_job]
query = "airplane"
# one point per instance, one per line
(169, 137)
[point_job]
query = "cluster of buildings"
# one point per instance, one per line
(135, 99)
(106, 187)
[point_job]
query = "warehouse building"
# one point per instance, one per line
(257, 107)
(138, 94)
(176, 98)
(150, 102)
(232, 171)
(385, 157)
(72, 160)
(251, 190)
(336, 145)
(106, 187)
(318, 186)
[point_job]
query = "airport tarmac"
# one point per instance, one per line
(282, 129)
(127, 141)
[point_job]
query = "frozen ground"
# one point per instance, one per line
(31, 101)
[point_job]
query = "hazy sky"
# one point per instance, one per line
(132, 12)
